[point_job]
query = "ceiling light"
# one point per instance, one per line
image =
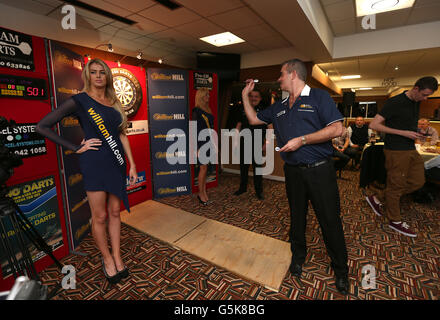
(364, 89)
(355, 76)
(139, 55)
(368, 7)
(109, 47)
(160, 61)
(222, 39)
(396, 68)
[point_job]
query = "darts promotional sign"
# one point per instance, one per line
(16, 50)
(37, 199)
(23, 140)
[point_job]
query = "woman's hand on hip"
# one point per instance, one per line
(90, 144)
(133, 175)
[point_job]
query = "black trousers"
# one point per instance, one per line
(244, 172)
(318, 185)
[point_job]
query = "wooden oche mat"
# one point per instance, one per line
(251, 255)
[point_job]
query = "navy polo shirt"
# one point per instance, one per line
(312, 111)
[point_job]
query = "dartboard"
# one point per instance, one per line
(125, 91)
(128, 90)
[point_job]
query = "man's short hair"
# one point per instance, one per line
(299, 66)
(427, 83)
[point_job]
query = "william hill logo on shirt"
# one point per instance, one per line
(306, 107)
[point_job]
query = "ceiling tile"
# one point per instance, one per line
(346, 68)
(200, 28)
(328, 2)
(92, 15)
(179, 39)
(344, 27)
(122, 33)
(146, 26)
(404, 58)
(29, 5)
(423, 3)
(392, 19)
(207, 8)
(425, 14)
(108, 29)
(271, 43)
(115, 9)
(237, 19)
(133, 5)
(256, 32)
(239, 48)
(369, 65)
(341, 10)
(170, 18)
(52, 3)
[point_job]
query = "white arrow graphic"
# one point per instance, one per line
(24, 47)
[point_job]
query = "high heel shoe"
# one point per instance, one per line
(124, 273)
(112, 279)
(205, 203)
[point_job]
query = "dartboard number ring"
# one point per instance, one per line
(128, 90)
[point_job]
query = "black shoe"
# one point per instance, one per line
(342, 284)
(295, 269)
(124, 273)
(205, 203)
(260, 196)
(239, 191)
(113, 279)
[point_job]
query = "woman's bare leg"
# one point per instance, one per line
(97, 202)
(203, 169)
(114, 229)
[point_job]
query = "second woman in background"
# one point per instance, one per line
(205, 120)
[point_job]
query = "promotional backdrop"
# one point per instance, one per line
(24, 98)
(168, 109)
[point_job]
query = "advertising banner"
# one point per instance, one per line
(168, 114)
(25, 100)
(67, 68)
(16, 50)
(38, 201)
(23, 140)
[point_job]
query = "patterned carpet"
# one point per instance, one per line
(406, 268)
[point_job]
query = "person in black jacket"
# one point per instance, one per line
(358, 134)
(243, 123)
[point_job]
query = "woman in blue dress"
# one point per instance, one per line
(205, 120)
(102, 158)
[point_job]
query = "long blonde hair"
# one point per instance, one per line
(110, 93)
(200, 94)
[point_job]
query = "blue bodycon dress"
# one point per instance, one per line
(99, 169)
